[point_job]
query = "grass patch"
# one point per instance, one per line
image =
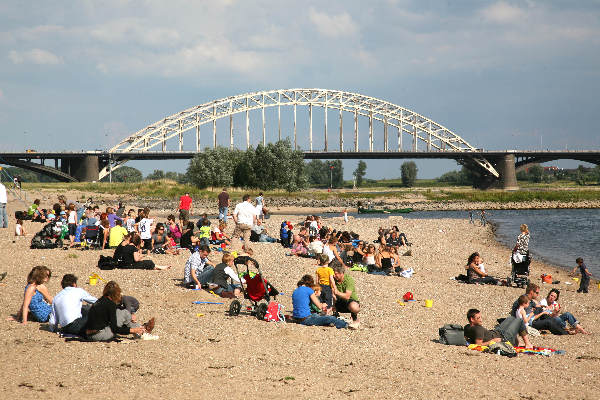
(520, 196)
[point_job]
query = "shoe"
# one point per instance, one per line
(149, 326)
(354, 325)
(149, 336)
(2, 276)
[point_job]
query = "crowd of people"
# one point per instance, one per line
(317, 300)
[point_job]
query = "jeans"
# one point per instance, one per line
(206, 275)
(75, 327)
(566, 317)
(223, 213)
(324, 320)
(3, 216)
(266, 238)
(550, 324)
(510, 328)
(123, 319)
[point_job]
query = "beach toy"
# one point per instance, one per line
(213, 293)
(428, 303)
(598, 285)
(93, 281)
(199, 315)
(407, 296)
(576, 279)
(206, 302)
(400, 302)
(98, 277)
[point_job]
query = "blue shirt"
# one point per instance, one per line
(301, 301)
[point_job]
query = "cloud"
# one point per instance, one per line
(333, 26)
(34, 56)
(1, 94)
(133, 30)
(502, 13)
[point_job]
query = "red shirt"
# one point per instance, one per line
(185, 202)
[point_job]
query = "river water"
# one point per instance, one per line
(558, 236)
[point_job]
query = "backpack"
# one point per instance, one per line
(274, 312)
(106, 262)
(452, 334)
(40, 242)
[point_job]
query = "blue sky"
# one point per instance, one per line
(500, 74)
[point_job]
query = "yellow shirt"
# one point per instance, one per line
(324, 273)
(116, 235)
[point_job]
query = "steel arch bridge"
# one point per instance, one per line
(420, 130)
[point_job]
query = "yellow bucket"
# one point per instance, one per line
(93, 280)
(428, 303)
(576, 279)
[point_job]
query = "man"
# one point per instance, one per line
(244, 217)
(345, 292)
(68, 313)
(198, 269)
(223, 205)
(185, 208)
(475, 333)
(262, 233)
(3, 201)
(542, 320)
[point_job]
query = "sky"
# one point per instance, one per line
(500, 74)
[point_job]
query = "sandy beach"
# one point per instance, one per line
(394, 353)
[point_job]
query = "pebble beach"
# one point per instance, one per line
(203, 352)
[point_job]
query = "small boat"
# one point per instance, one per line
(384, 211)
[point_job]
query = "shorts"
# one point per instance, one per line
(72, 229)
(184, 215)
(341, 305)
(147, 244)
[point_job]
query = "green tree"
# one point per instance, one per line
(335, 173)
(536, 172)
(156, 175)
(316, 173)
(124, 174)
(212, 167)
(360, 172)
(409, 173)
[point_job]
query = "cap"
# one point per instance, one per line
(63, 213)
(50, 216)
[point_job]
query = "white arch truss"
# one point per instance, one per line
(421, 130)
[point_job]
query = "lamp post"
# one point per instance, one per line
(330, 177)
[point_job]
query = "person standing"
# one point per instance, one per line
(244, 216)
(585, 276)
(260, 203)
(185, 208)
(224, 202)
(3, 201)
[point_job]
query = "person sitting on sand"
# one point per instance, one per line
(37, 300)
(69, 314)
(187, 236)
(541, 319)
(475, 275)
(302, 297)
(331, 251)
(160, 242)
(551, 306)
(198, 269)
(224, 272)
(300, 243)
(345, 292)
(19, 229)
(105, 320)
(35, 213)
(116, 234)
(130, 256)
(173, 228)
(475, 333)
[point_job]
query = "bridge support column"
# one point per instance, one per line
(84, 169)
(508, 176)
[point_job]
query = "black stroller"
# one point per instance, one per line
(255, 290)
(520, 270)
(50, 237)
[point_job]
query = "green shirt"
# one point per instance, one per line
(32, 209)
(347, 284)
(204, 232)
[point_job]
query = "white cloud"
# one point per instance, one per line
(34, 56)
(333, 26)
(502, 12)
(1, 94)
(133, 30)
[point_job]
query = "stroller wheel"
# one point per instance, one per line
(261, 311)
(234, 308)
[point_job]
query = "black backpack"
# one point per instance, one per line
(452, 334)
(40, 242)
(107, 262)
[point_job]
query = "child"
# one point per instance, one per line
(222, 273)
(313, 307)
(325, 279)
(204, 232)
(521, 312)
(284, 234)
(146, 229)
(72, 220)
(130, 221)
(345, 214)
(19, 230)
(186, 236)
(584, 284)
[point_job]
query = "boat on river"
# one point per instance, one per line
(362, 210)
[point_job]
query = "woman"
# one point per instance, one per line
(383, 262)
(132, 258)
(36, 299)
(160, 243)
(302, 297)
(551, 306)
(105, 320)
(331, 250)
(475, 275)
(173, 228)
(521, 249)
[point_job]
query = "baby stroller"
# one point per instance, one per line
(91, 238)
(50, 237)
(520, 270)
(255, 290)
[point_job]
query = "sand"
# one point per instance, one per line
(393, 354)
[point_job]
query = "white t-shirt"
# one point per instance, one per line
(72, 217)
(130, 224)
(18, 229)
(144, 226)
(245, 213)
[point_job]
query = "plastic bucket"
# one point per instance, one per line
(93, 281)
(428, 303)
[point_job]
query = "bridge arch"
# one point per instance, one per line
(420, 129)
